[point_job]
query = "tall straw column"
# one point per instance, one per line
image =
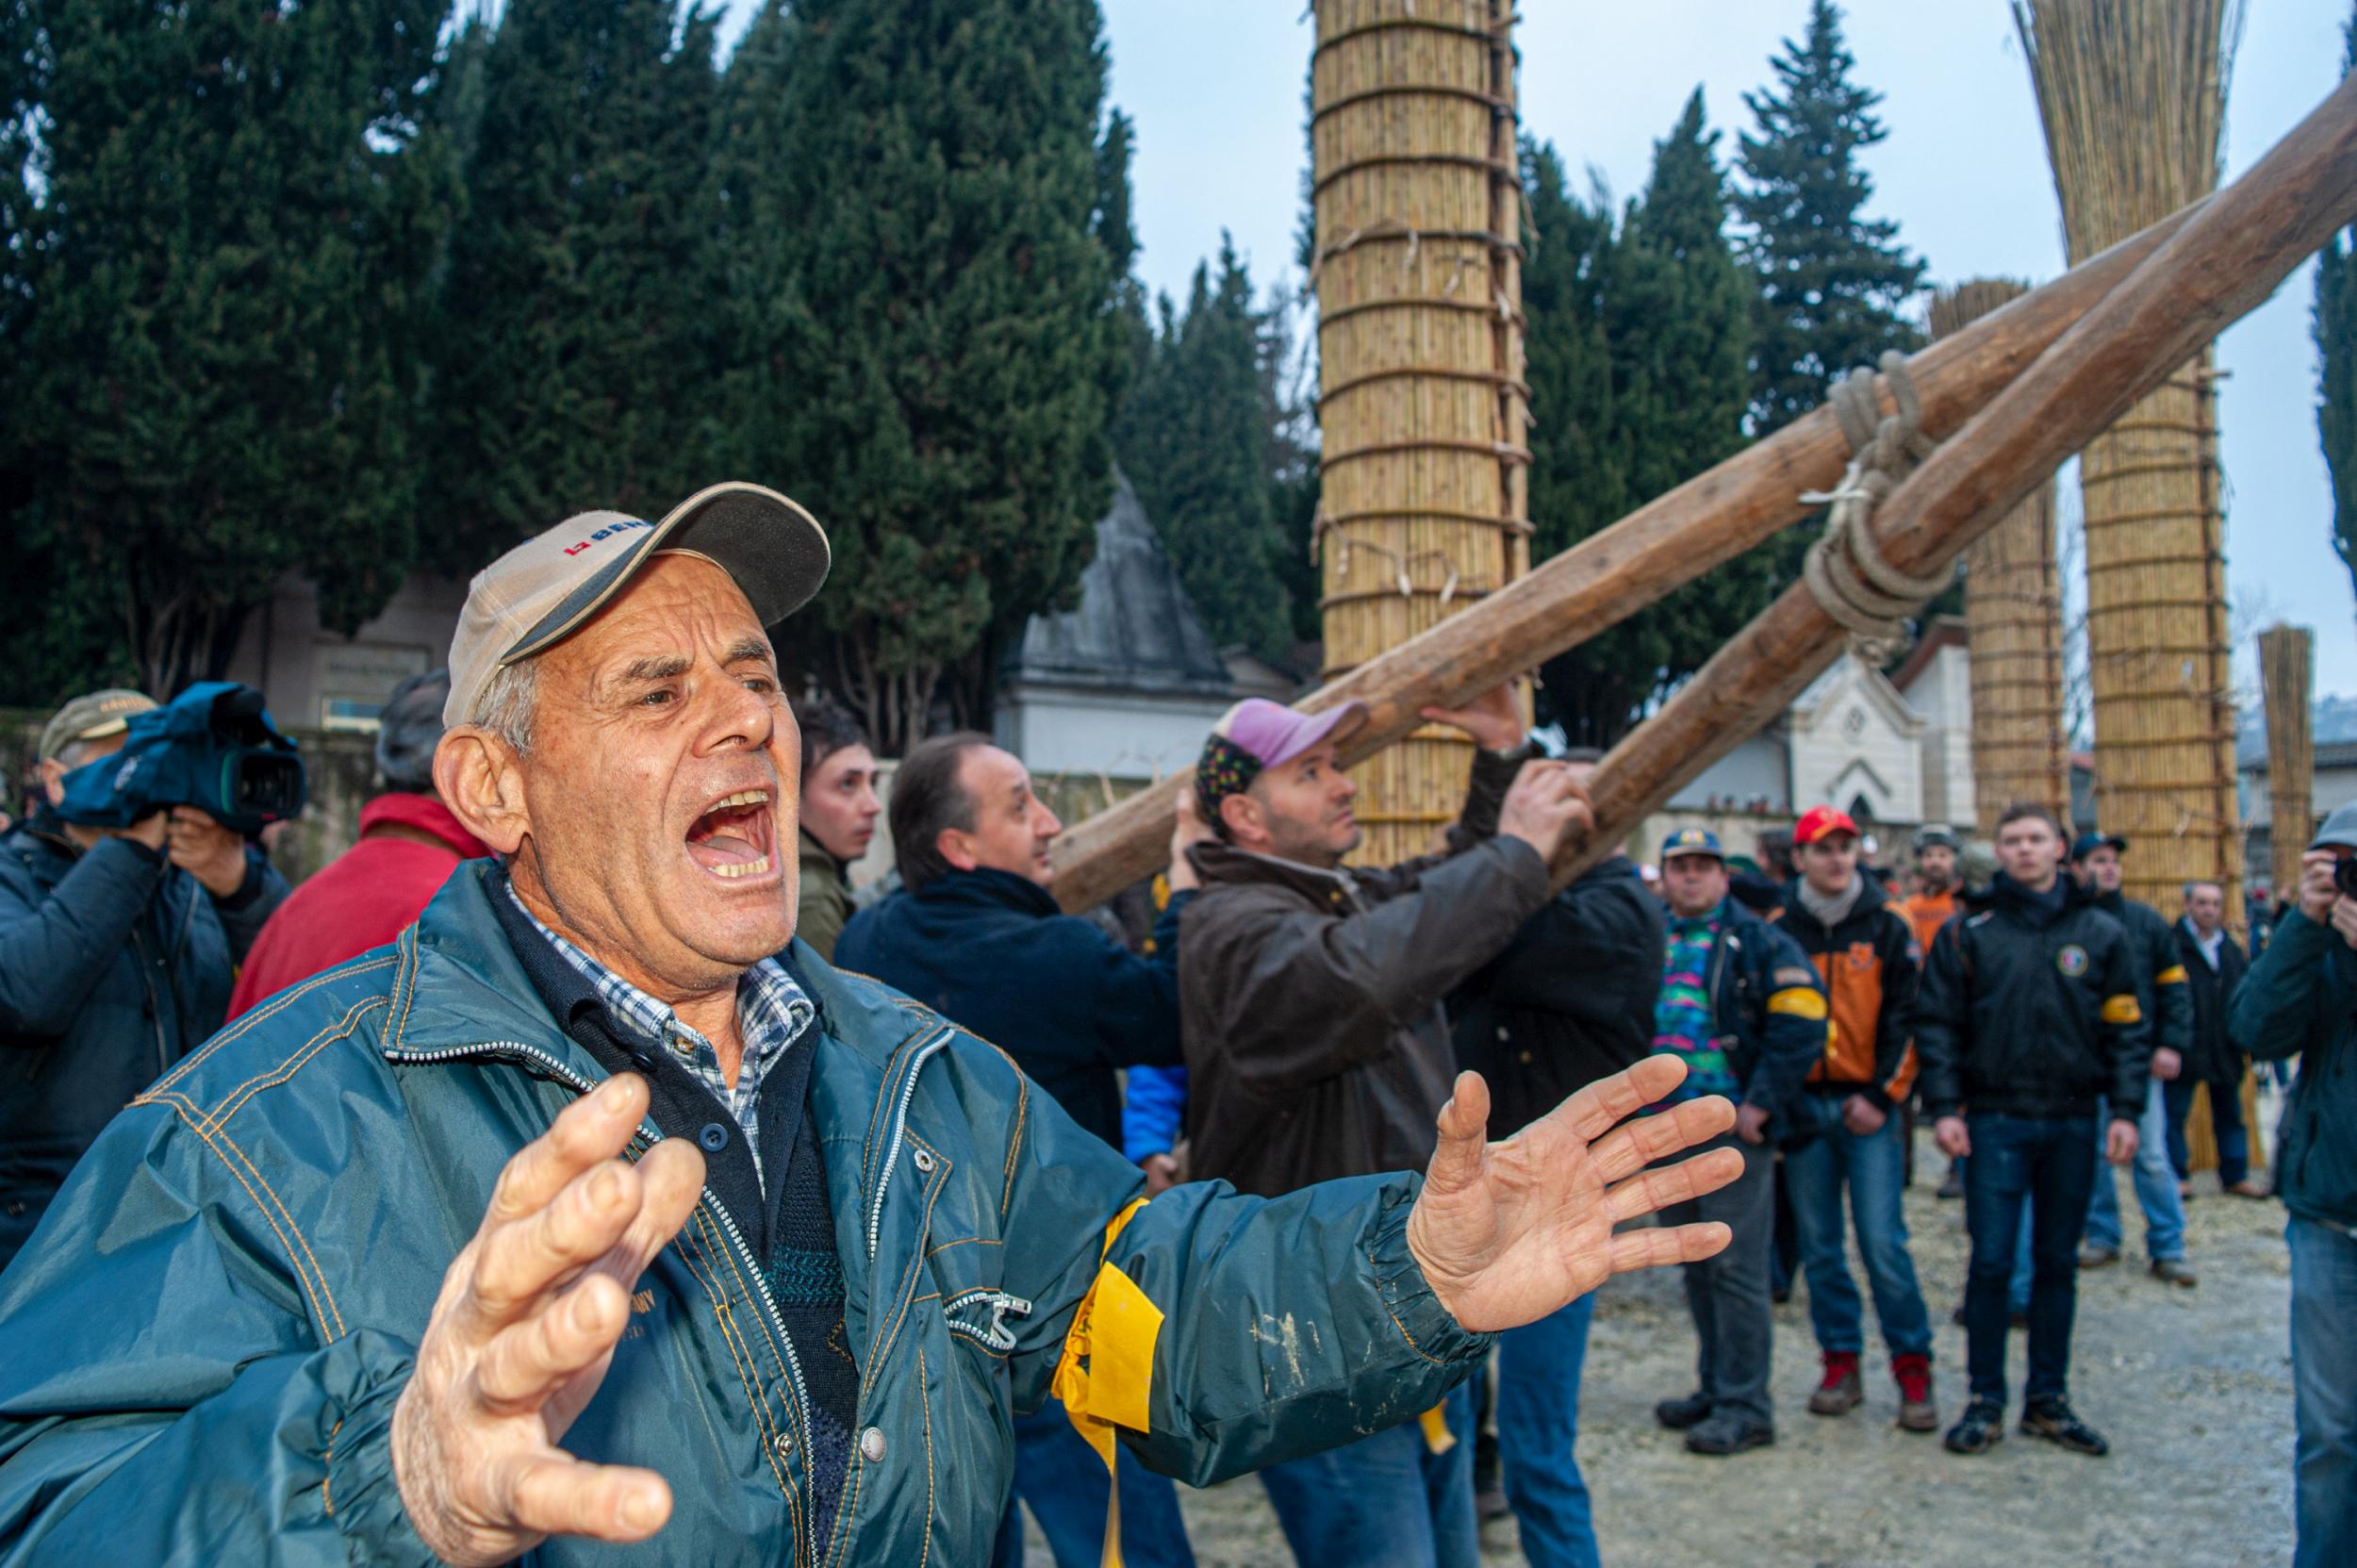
(2286, 666)
(1422, 408)
(2133, 97)
(2013, 626)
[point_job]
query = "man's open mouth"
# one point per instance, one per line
(734, 836)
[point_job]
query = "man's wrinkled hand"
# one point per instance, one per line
(2119, 1143)
(1545, 803)
(523, 1330)
(1494, 719)
(1508, 1232)
(213, 854)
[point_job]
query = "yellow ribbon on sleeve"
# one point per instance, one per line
(1113, 1331)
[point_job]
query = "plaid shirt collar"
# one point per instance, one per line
(771, 1014)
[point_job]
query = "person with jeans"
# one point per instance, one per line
(2214, 965)
(2027, 1019)
(1746, 1010)
(977, 936)
(1845, 1129)
(1568, 1002)
(1316, 1045)
(2300, 1000)
(2162, 993)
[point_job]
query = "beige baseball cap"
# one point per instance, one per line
(93, 716)
(549, 586)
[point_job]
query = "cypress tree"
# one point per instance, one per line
(954, 329)
(577, 355)
(212, 336)
(1832, 282)
(1638, 372)
(1193, 436)
(2335, 328)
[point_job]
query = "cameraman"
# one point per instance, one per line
(117, 949)
(2300, 1000)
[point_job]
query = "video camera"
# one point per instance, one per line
(213, 747)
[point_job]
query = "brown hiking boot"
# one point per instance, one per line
(1917, 1412)
(1843, 1390)
(2250, 1186)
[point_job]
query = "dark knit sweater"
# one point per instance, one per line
(790, 1226)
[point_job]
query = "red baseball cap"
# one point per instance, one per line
(1819, 821)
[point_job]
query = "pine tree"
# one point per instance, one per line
(953, 331)
(1637, 350)
(212, 345)
(1832, 282)
(2335, 328)
(1193, 436)
(577, 352)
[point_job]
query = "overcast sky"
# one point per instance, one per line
(1215, 88)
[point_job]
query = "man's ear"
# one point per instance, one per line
(1243, 816)
(481, 779)
(52, 775)
(956, 846)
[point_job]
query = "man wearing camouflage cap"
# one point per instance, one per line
(117, 949)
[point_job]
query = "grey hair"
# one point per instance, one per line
(507, 703)
(2205, 881)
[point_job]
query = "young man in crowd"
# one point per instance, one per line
(2214, 965)
(2300, 1000)
(1938, 895)
(839, 810)
(1745, 1009)
(1845, 1132)
(2027, 1023)
(1316, 1047)
(977, 935)
(1568, 1002)
(2167, 999)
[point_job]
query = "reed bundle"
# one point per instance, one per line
(2286, 664)
(1421, 409)
(2013, 624)
(2131, 94)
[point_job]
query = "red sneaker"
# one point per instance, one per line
(1841, 1391)
(1916, 1411)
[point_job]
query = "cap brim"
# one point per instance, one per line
(772, 548)
(1338, 723)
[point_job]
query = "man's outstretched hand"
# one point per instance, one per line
(1508, 1232)
(523, 1331)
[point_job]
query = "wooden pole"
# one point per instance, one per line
(1709, 520)
(2287, 668)
(2220, 265)
(2131, 94)
(2013, 627)
(1422, 408)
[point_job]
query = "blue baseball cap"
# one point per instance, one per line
(2088, 843)
(1693, 841)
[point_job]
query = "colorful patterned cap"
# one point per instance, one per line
(1257, 734)
(1692, 841)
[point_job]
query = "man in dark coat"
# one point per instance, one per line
(1569, 1002)
(1316, 1047)
(2214, 965)
(977, 937)
(118, 947)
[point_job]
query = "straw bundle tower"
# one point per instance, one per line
(2286, 662)
(1422, 404)
(2133, 96)
(2013, 626)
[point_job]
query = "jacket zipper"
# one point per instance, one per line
(514, 1050)
(899, 1133)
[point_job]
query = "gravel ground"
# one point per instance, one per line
(2192, 1387)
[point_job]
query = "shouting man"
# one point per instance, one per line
(597, 1206)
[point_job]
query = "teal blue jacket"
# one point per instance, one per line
(205, 1340)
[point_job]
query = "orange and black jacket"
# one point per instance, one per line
(1870, 965)
(2029, 1008)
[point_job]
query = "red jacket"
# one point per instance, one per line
(410, 844)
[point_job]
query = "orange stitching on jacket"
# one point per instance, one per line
(301, 1278)
(753, 1402)
(1377, 1269)
(270, 1077)
(704, 1223)
(328, 1463)
(932, 1196)
(269, 1009)
(925, 1397)
(301, 1240)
